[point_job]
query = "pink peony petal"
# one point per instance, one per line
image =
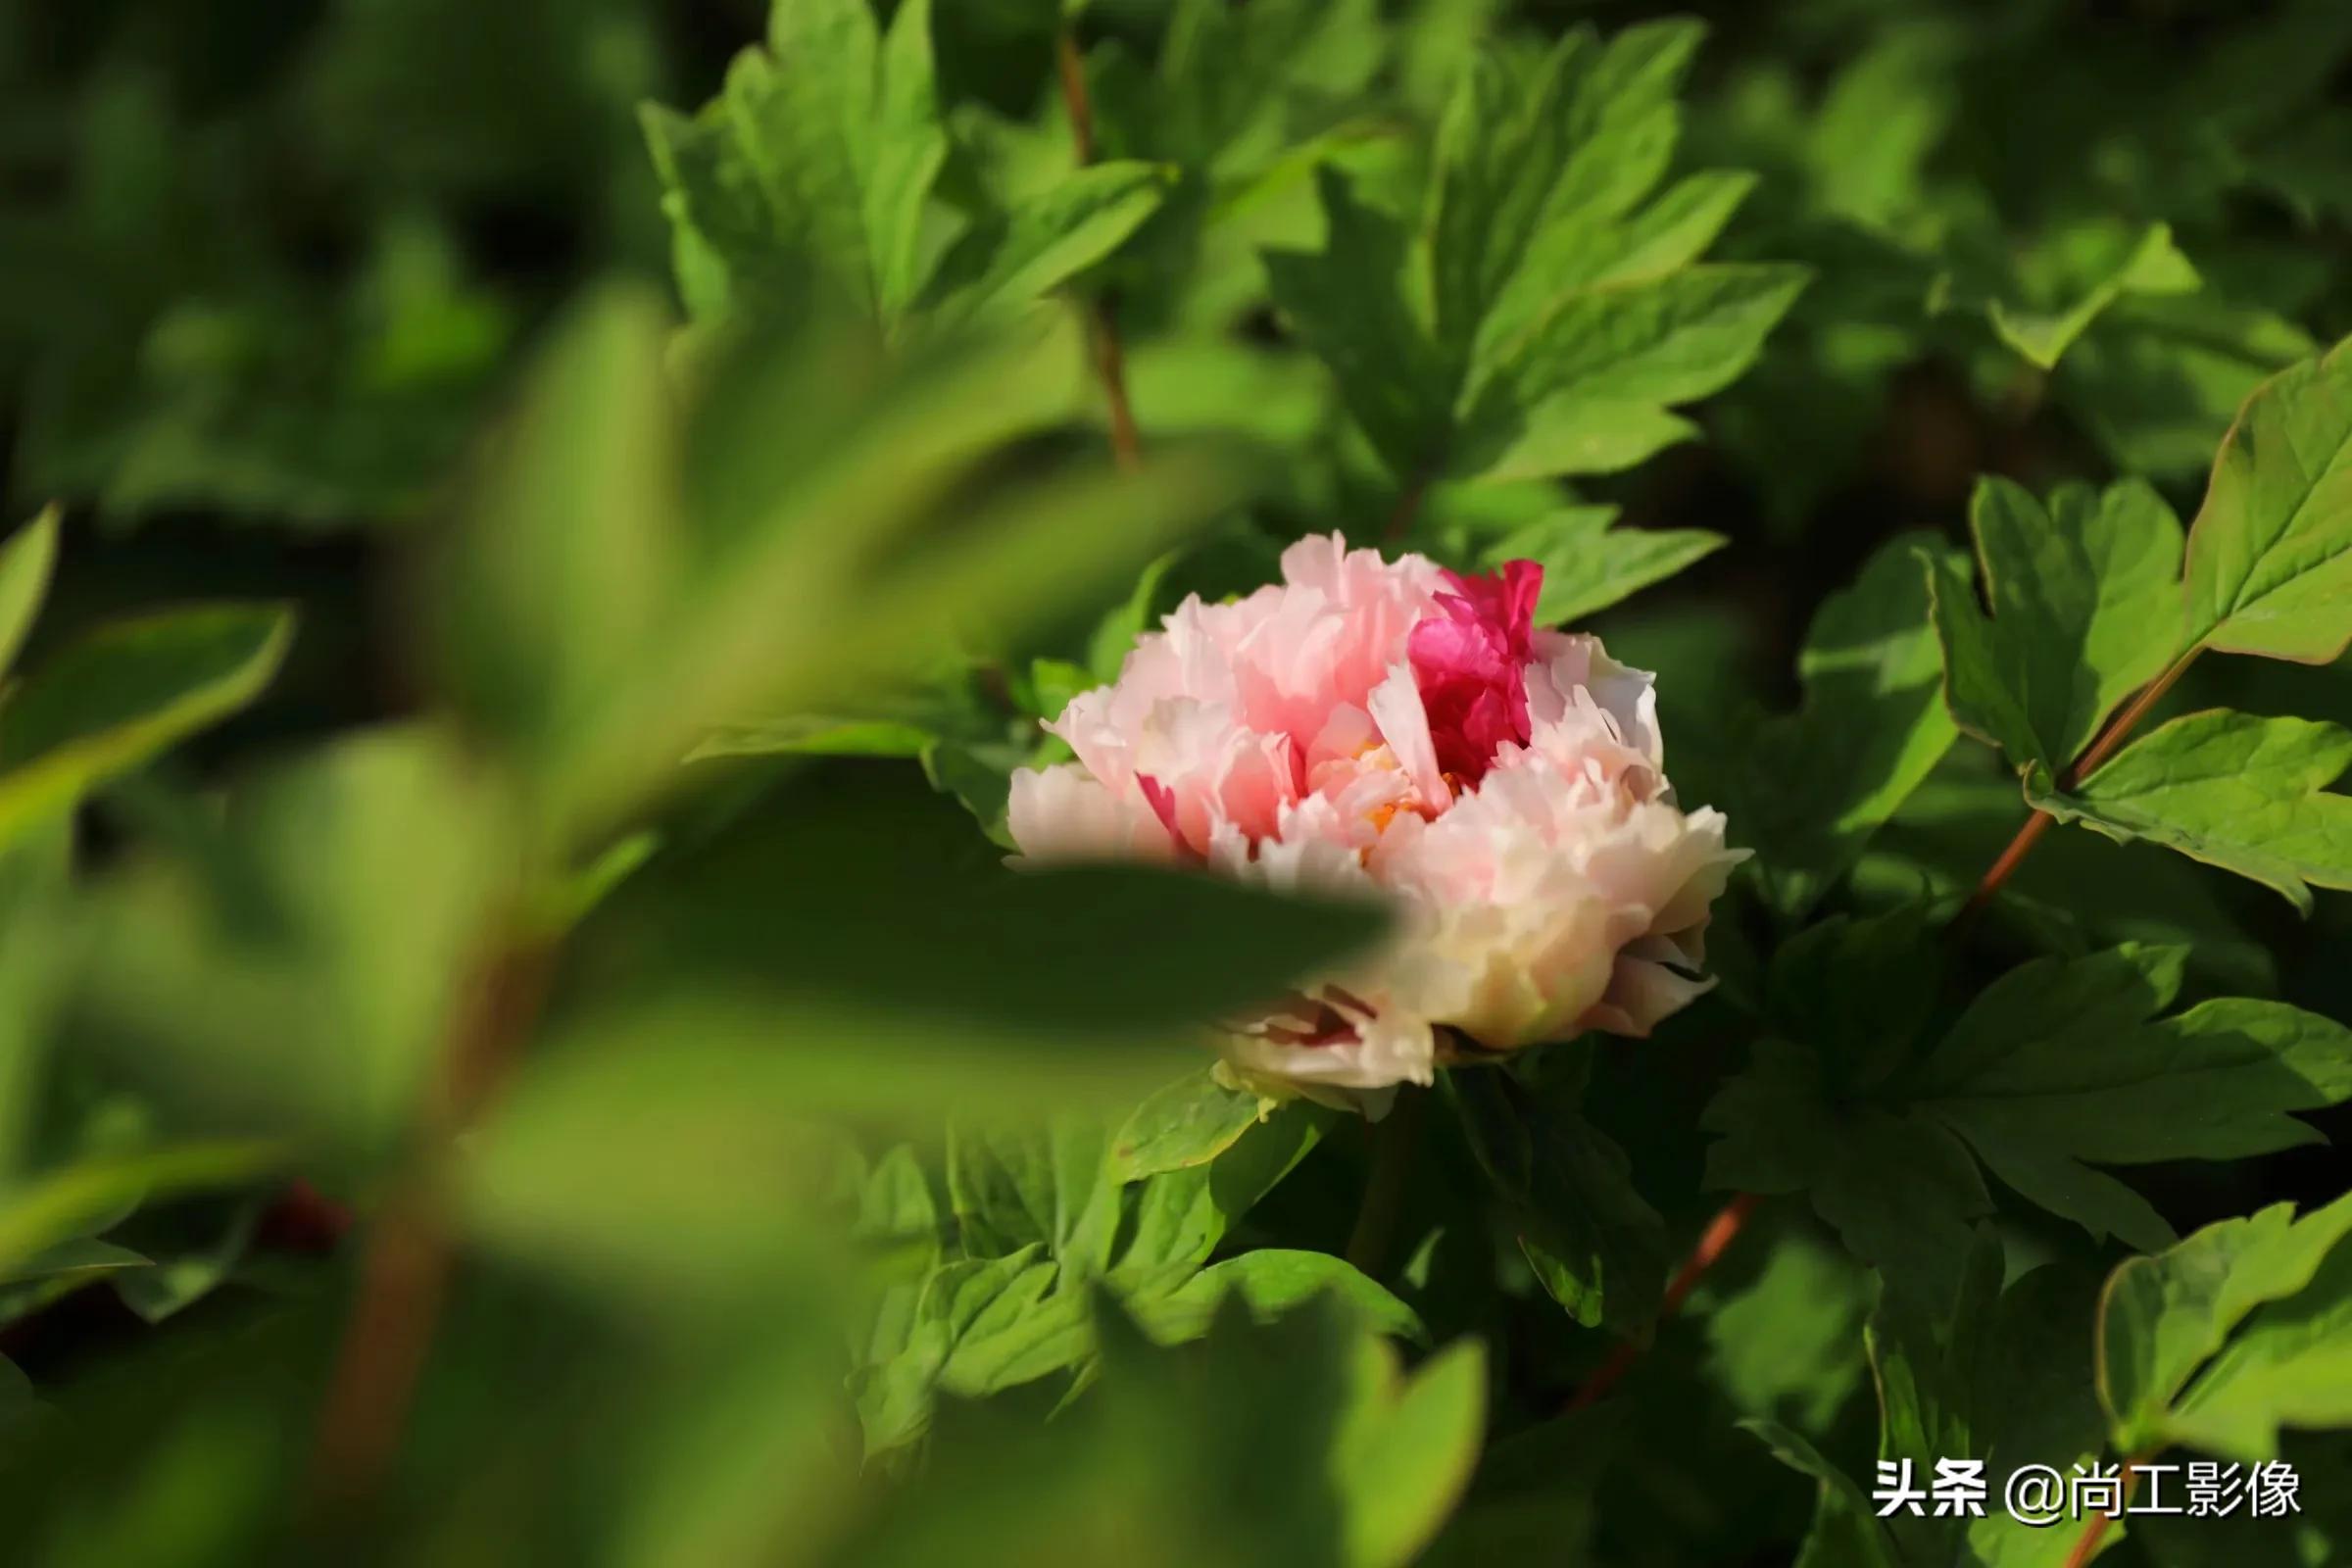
(1470, 662)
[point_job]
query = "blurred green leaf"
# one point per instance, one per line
(875, 891)
(116, 698)
(1534, 1491)
(26, 562)
(782, 583)
(58, 1207)
(1783, 1345)
(253, 989)
(1405, 1451)
(2158, 381)
(1158, 1463)
(572, 553)
(2154, 265)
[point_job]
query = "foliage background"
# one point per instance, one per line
(268, 267)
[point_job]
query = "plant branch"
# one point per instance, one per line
(1713, 1242)
(2087, 1545)
(2102, 747)
(1408, 505)
(1104, 347)
(1394, 1141)
(405, 1272)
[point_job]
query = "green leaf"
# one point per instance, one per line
(1809, 789)
(26, 562)
(1845, 1533)
(1019, 256)
(783, 580)
(59, 1206)
(1235, 89)
(1190, 1122)
(1583, 391)
(1590, 565)
(2158, 382)
(650, 1149)
(2058, 1067)
(2001, 1376)
(1925, 1363)
(1903, 1195)
(1567, 1192)
(212, 976)
(125, 693)
(1782, 1344)
(179, 1277)
(1406, 1449)
(80, 1258)
(1170, 1458)
(1015, 1188)
(1582, 139)
(1000, 1326)
(2082, 595)
(1533, 1492)
(2161, 1317)
(2269, 555)
(821, 152)
(980, 1327)
(1989, 1375)
(1352, 304)
(1550, 311)
(1272, 1280)
(1076, 948)
(2290, 1367)
(553, 593)
(2246, 794)
(2155, 266)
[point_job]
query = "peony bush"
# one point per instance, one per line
(712, 856)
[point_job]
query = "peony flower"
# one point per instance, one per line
(1396, 730)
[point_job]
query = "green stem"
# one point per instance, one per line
(1395, 1139)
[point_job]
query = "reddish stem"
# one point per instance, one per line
(1102, 342)
(2088, 1544)
(1713, 1242)
(2099, 749)
(405, 1272)
(1409, 503)
(304, 1219)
